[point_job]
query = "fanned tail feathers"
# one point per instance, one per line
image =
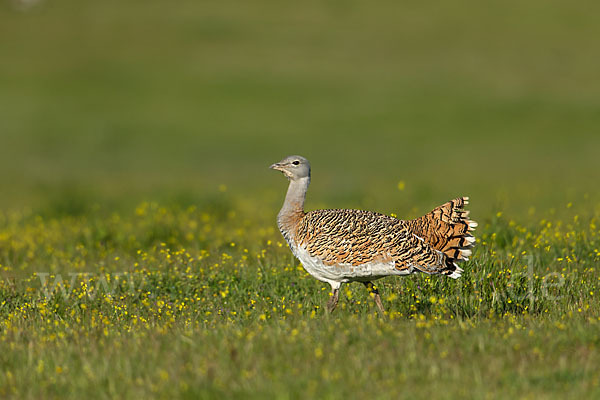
(448, 229)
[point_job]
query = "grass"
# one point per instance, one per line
(187, 302)
(91, 99)
(139, 256)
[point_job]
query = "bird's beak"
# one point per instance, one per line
(277, 166)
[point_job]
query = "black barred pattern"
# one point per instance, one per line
(357, 237)
(448, 229)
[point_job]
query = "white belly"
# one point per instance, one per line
(340, 273)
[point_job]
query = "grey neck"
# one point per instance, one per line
(294, 199)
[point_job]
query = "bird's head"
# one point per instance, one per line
(293, 167)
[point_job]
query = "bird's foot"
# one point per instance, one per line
(375, 293)
(333, 300)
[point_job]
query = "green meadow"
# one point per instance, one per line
(139, 254)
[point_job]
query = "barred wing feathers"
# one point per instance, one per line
(355, 237)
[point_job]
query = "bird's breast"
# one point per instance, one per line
(344, 272)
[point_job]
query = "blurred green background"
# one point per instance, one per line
(116, 101)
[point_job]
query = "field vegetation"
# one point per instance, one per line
(139, 255)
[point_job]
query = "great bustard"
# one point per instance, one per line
(339, 246)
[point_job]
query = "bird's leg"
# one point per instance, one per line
(372, 289)
(333, 300)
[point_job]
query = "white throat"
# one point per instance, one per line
(294, 199)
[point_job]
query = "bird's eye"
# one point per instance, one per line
(296, 162)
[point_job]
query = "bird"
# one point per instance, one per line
(339, 246)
